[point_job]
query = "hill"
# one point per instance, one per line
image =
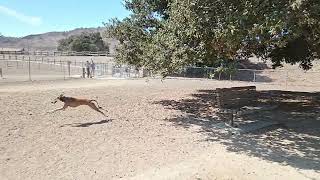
(48, 41)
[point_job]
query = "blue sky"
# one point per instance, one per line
(23, 17)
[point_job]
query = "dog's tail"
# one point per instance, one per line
(97, 104)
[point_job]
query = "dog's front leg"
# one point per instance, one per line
(59, 109)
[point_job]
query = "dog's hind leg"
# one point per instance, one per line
(94, 107)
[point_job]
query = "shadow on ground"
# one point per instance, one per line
(87, 124)
(295, 142)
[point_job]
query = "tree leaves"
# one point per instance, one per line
(166, 35)
(85, 42)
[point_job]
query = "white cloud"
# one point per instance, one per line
(32, 20)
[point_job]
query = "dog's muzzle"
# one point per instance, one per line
(53, 102)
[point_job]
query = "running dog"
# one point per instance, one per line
(75, 102)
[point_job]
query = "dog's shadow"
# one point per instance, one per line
(88, 124)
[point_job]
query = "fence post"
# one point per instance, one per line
(69, 63)
(121, 71)
(83, 72)
(64, 72)
(286, 79)
(29, 64)
(1, 73)
(254, 76)
(60, 64)
(106, 67)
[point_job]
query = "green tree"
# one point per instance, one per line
(84, 42)
(166, 35)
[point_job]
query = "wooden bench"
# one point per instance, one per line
(237, 101)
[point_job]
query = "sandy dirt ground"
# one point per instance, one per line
(149, 134)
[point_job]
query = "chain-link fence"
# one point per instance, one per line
(269, 76)
(24, 68)
(30, 69)
(114, 70)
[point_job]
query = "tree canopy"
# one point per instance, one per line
(165, 35)
(84, 42)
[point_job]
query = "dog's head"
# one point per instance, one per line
(59, 98)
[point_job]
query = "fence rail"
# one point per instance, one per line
(56, 53)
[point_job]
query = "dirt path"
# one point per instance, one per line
(137, 141)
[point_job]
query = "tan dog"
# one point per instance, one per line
(75, 102)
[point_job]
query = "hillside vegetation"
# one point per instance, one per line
(83, 42)
(50, 41)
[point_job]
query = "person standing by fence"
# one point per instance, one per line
(88, 69)
(93, 67)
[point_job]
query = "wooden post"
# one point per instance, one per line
(1, 73)
(286, 80)
(121, 71)
(106, 67)
(83, 72)
(29, 64)
(254, 76)
(231, 120)
(64, 72)
(61, 64)
(69, 63)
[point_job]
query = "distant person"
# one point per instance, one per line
(88, 69)
(93, 67)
